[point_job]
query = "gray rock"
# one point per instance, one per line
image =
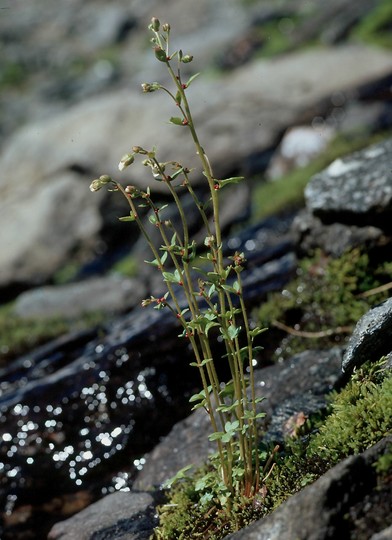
(119, 516)
(311, 374)
(46, 167)
(356, 189)
(112, 294)
(386, 534)
(43, 222)
(299, 145)
(335, 239)
(318, 511)
(372, 337)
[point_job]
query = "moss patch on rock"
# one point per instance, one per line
(359, 416)
(320, 307)
(18, 336)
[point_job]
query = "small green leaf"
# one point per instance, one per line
(209, 326)
(211, 290)
(169, 277)
(172, 278)
(228, 408)
(228, 390)
(200, 395)
(233, 331)
(197, 397)
(160, 54)
(176, 121)
(215, 436)
(256, 331)
(178, 476)
(206, 498)
(227, 437)
(176, 173)
(191, 79)
(228, 288)
(206, 361)
(198, 406)
(131, 217)
(232, 426)
(153, 263)
(232, 180)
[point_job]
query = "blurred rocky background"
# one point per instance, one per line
(286, 87)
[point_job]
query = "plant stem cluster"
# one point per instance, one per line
(214, 305)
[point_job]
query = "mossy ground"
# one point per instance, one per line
(327, 294)
(19, 336)
(321, 306)
(359, 416)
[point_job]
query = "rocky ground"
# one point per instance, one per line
(79, 413)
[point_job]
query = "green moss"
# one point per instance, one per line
(323, 303)
(361, 415)
(18, 336)
(275, 36)
(185, 517)
(67, 272)
(383, 465)
(128, 266)
(12, 74)
(287, 192)
(376, 27)
(358, 417)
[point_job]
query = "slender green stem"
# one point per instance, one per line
(232, 412)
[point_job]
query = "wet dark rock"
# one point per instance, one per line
(334, 239)
(123, 515)
(80, 412)
(319, 511)
(291, 388)
(111, 294)
(372, 337)
(356, 189)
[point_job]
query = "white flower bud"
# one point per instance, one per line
(125, 161)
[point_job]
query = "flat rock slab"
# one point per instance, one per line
(111, 294)
(119, 516)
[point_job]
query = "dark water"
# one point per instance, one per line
(78, 414)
